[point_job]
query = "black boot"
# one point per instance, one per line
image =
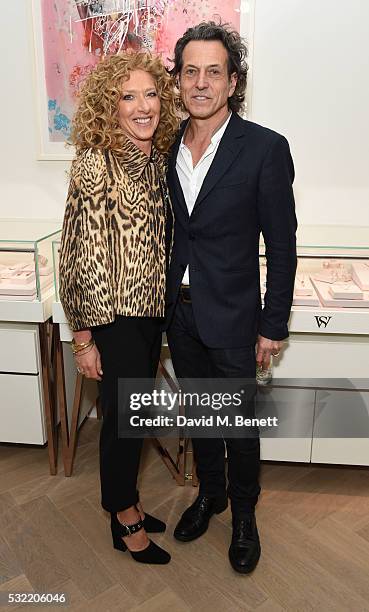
(244, 551)
(151, 554)
(195, 520)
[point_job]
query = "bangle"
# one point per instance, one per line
(76, 348)
(84, 351)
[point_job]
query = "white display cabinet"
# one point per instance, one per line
(326, 353)
(26, 296)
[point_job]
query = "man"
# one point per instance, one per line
(229, 179)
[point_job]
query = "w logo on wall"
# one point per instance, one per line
(322, 321)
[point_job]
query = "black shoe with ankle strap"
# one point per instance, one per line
(153, 525)
(151, 554)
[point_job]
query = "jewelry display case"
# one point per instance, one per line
(26, 296)
(320, 380)
(332, 280)
(26, 266)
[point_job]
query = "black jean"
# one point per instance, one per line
(193, 359)
(129, 348)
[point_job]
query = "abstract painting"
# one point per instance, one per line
(71, 36)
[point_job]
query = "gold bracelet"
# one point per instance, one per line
(89, 348)
(75, 351)
(76, 348)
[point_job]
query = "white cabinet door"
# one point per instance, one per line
(21, 409)
(291, 439)
(341, 428)
(19, 351)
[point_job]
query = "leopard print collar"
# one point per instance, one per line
(135, 160)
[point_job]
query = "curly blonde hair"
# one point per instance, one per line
(96, 121)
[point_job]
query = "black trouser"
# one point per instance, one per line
(129, 348)
(193, 359)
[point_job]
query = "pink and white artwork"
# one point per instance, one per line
(76, 34)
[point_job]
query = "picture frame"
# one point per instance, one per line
(52, 145)
(47, 150)
(247, 28)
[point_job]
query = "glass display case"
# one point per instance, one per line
(332, 271)
(56, 252)
(26, 258)
(333, 267)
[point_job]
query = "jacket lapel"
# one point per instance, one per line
(229, 147)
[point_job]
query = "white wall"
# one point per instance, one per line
(310, 82)
(29, 188)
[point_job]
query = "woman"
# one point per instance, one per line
(113, 261)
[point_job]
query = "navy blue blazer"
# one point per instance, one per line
(247, 190)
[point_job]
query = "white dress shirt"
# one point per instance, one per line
(192, 178)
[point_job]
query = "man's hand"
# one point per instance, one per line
(264, 349)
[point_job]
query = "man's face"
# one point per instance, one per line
(204, 81)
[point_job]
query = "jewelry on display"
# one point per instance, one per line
(332, 263)
(333, 271)
(301, 279)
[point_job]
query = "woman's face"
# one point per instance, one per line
(139, 108)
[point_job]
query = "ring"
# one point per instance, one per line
(275, 354)
(79, 370)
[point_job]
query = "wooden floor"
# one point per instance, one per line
(54, 537)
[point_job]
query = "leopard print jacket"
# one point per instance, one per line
(113, 254)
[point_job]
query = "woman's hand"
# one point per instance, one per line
(89, 363)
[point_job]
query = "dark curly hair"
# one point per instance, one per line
(235, 47)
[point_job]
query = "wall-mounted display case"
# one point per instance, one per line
(26, 263)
